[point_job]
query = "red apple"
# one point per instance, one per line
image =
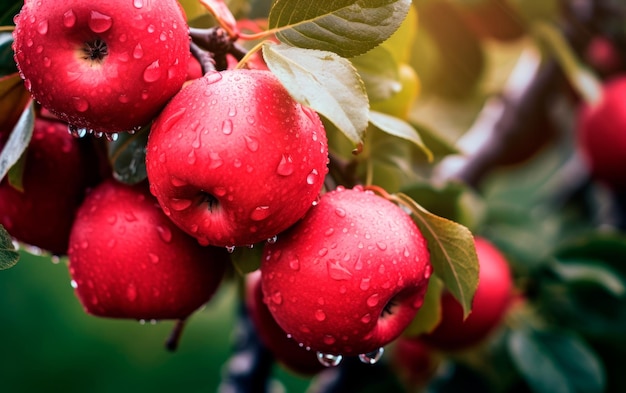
(104, 66)
(349, 277)
(491, 302)
(604, 56)
(414, 361)
(128, 260)
(285, 350)
(57, 172)
(601, 136)
(234, 160)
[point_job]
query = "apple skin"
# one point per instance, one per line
(285, 350)
(128, 260)
(492, 300)
(141, 63)
(58, 171)
(350, 276)
(234, 160)
(601, 137)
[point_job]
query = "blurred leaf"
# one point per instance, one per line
(402, 42)
(247, 260)
(9, 256)
(346, 27)
(379, 72)
(18, 140)
(8, 9)
(13, 99)
(429, 314)
(222, 14)
(437, 143)
(452, 251)
(7, 63)
(589, 271)
(399, 128)
(16, 173)
(556, 362)
(128, 156)
(325, 82)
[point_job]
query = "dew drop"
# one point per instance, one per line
(312, 177)
(176, 182)
(366, 318)
(138, 3)
(428, 272)
(340, 212)
(80, 104)
(151, 29)
(153, 257)
(322, 252)
(111, 136)
(164, 233)
(260, 213)
(42, 27)
(337, 272)
(381, 246)
(69, 19)
(372, 357)
(230, 249)
(180, 204)
(329, 360)
(74, 284)
(152, 73)
(216, 160)
(227, 127)
(373, 300)
(294, 264)
(191, 157)
(365, 284)
(99, 22)
(272, 239)
(277, 298)
(320, 315)
(252, 143)
(285, 166)
(138, 52)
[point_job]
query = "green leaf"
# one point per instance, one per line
(16, 173)
(452, 251)
(128, 156)
(246, 260)
(327, 83)
(592, 272)
(18, 140)
(429, 315)
(379, 72)
(556, 362)
(346, 27)
(397, 127)
(437, 143)
(7, 63)
(8, 254)
(14, 98)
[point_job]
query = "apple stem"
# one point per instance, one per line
(172, 341)
(207, 63)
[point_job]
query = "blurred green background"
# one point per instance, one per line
(50, 344)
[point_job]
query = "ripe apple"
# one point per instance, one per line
(234, 160)
(57, 172)
(414, 361)
(402, 101)
(128, 260)
(350, 276)
(491, 301)
(104, 66)
(601, 136)
(285, 350)
(604, 56)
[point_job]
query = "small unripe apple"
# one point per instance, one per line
(104, 66)
(401, 102)
(234, 160)
(491, 302)
(57, 172)
(601, 136)
(286, 351)
(128, 260)
(349, 277)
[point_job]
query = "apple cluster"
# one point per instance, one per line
(232, 160)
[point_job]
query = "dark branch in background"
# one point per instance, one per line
(354, 376)
(217, 43)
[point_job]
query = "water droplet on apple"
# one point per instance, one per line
(138, 52)
(294, 264)
(74, 284)
(272, 239)
(428, 272)
(373, 300)
(123, 98)
(212, 77)
(312, 177)
(216, 160)
(232, 111)
(152, 73)
(151, 28)
(164, 233)
(340, 212)
(131, 293)
(42, 27)
(153, 257)
(381, 246)
(191, 157)
(99, 22)
(277, 298)
(320, 315)
(138, 3)
(372, 357)
(285, 166)
(406, 252)
(46, 61)
(322, 252)
(336, 271)
(252, 143)
(329, 360)
(227, 127)
(260, 213)
(180, 204)
(80, 104)
(111, 136)
(69, 18)
(367, 318)
(365, 284)
(230, 249)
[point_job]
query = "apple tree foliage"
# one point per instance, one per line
(487, 148)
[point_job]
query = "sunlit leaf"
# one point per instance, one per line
(346, 27)
(591, 272)
(452, 251)
(327, 83)
(399, 128)
(429, 315)
(8, 254)
(379, 72)
(18, 140)
(555, 362)
(128, 156)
